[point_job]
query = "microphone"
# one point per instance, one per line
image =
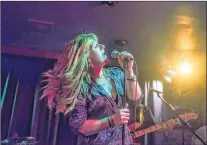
(156, 91)
(115, 55)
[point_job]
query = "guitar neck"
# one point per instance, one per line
(152, 129)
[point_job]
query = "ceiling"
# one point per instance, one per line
(146, 25)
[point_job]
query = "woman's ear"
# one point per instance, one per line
(90, 63)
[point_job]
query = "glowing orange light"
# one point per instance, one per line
(185, 68)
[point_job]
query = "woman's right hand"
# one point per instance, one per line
(121, 117)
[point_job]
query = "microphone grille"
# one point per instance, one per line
(114, 54)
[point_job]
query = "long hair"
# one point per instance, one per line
(64, 81)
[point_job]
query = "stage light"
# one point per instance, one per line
(109, 3)
(185, 68)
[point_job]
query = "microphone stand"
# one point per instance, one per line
(183, 122)
(124, 99)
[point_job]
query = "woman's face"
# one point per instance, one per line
(97, 54)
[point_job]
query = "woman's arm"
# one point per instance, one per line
(80, 124)
(131, 87)
(91, 127)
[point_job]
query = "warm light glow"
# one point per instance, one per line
(169, 79)
(184, 41)
(184, 34)
(171, 72)
(185, 20)
(185, 68)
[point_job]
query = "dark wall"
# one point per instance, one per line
(23, 114)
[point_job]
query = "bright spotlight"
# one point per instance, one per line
(185, 68)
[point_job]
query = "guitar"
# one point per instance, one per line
(185, 117)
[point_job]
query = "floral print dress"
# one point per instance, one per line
(96, 103)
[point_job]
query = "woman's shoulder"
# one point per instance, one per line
(114, 70)
(115, 73)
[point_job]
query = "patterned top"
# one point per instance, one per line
(95, 103)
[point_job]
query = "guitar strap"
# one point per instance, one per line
(145, 113)
(141, 115)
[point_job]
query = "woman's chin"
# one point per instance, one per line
(105, 57)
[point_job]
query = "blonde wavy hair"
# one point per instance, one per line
(64, 81)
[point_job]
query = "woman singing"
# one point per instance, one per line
(93, 95)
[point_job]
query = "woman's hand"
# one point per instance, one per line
(121, 59)
(121, 117)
